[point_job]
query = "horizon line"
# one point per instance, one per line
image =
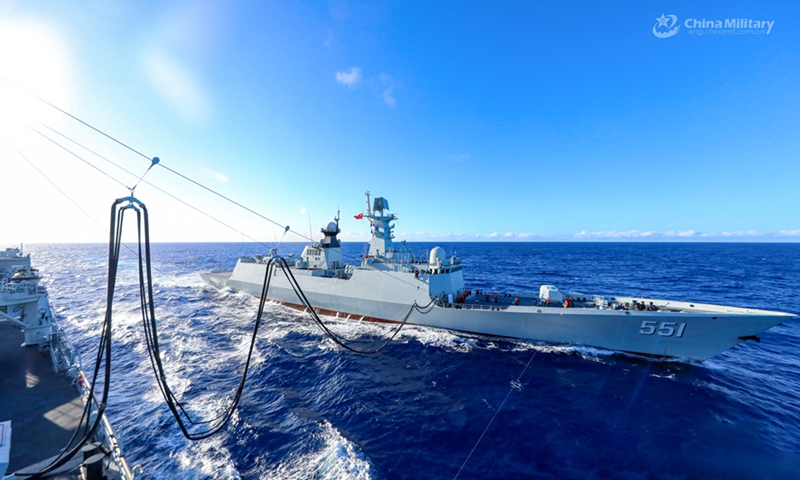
(5, 245)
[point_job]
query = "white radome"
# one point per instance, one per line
(437, 256)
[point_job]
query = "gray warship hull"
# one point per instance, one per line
(685, 330)
(390, 281)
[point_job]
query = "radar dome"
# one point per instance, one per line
(437, 256)
(331, 228)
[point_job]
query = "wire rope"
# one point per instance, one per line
(73, 117)
(153, 161)
(146, 290)
(147, 302)
(82, 159)
(502, 404)
(286, 229)
(103, 358)
(144, 181)
(59, 189)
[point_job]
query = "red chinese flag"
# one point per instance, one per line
(359, 216)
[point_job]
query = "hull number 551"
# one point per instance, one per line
(665, 329)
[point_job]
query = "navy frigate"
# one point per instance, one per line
(390, 280)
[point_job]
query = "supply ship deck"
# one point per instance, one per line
(45, 406)
(44, 394)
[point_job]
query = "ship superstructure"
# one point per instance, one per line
(389, 280)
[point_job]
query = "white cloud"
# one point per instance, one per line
(387, 84)
(177, 85)
(388, 98)
(629, 235)
(749, 233)
(382, 86)
(218, 176)
(329, 39)
(615, 234)
(350, 78)
(425, 236)
(687, 234)
(176, 45)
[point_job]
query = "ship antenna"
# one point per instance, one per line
(369, 210)
(310, 230)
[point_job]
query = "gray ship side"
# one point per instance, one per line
(390, 280)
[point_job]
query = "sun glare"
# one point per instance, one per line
(33, 56)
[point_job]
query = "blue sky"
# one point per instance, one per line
(478, 121)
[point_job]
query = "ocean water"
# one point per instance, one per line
(418, 409)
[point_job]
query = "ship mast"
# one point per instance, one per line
(381, 242)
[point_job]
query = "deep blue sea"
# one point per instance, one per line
(417, 409)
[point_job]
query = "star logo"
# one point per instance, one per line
(668, 23)
(662, 21)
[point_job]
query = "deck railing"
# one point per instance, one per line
(65, 358)
(474, 306)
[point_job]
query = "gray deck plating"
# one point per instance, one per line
(44, 406)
